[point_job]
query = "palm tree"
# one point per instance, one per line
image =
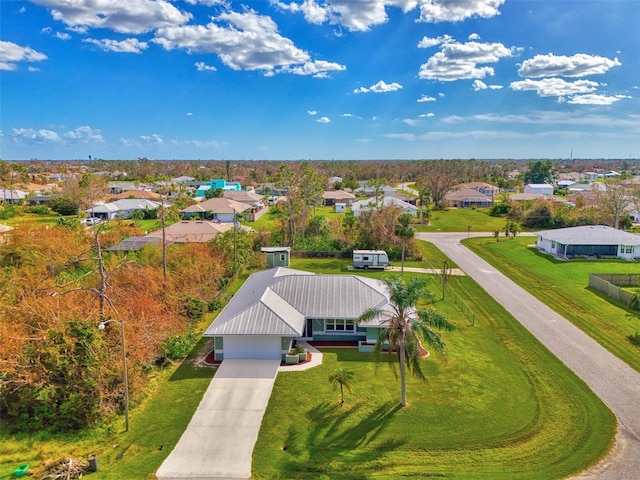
(405, 327)
(405, 232)
(344, 378)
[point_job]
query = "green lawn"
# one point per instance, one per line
(48, 219)
(458, 219)
(564, 287)
(501, 406)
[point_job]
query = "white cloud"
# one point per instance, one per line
(356, 16)
(147, 140)
(317, 68)
(453, 119)
(427, 115)
(410, 121)
(12, 53)
(120, 15)
(323, 120)
(380, 87)
(562, 118)
(350, 115)
(32, 69)
(210, 3)
(555, 87)
(82, 134)
(189, 114)
(63, 36)
(427, 42)
(203, 67)
(434, 11)
(426, 98)
(480, 85)
(129, 45)
(457, 61)
(244, 41)
(473, 36)
(595, 99)
(312, 112)
(579, 65)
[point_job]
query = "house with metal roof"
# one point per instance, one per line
(194, 231)
(590, 241)
(122, 208)
(387, 201)
(276, 307)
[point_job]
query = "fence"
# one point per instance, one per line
(608, 283)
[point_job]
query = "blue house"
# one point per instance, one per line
(218, 183)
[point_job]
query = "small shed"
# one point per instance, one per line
(277, 256)
(340, 207)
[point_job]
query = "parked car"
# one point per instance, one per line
(91, 221)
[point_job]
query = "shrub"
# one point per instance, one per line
(7, 212)
(64, 206)
(499, 210)
(39, 209)
(179, 346)
(193, 308)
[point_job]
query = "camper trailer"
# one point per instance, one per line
(370, 259)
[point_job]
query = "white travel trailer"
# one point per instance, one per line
(370, 259)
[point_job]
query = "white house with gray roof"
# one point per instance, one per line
(277, 306)
(590, 241)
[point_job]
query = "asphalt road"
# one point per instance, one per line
(617, 384)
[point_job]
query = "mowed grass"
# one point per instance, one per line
(458, 219)
(564, 286)
(500, 406)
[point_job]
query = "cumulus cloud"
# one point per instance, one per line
(118, 15)
(480, 85)
(457, 61)
(350, 115)
(426, 98)
(12, 53)
(473, 36)
(129, 45)
(323, 120)
(579, 65)
(595, 99)
(244, 41)
(427, 115)
(434, 11)
(555, 87)
(203, 67)
(144, 141)
(312, 112)
(82, 134)
(317, 68)
(356, 16)
(428, 42)
(380, 87)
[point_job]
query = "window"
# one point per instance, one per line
(627, 249)
(282, 257)
(553, 244)
(339, 325)
(365, 258)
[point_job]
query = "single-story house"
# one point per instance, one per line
(467, 198)
(543, 188)
(387, 201)
(277, 256)
(591, 241)
(331, 197)
(149, 195)
(12, 196)
(219, 209)
(193, 231)
(482, 187)
(135, 244)
(122, 208)
(252, 199)
(119, 187)
(587, 197)
(275, 307)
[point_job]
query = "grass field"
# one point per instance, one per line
(458, 219)
(564, 287)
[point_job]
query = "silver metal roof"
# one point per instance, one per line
(277, 302)
(590, 235)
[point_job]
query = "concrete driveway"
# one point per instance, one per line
(615, 382)
(219, 440)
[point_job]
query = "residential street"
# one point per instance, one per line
(617, 384)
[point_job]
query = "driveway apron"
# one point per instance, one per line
(615, 382)
(219, 440)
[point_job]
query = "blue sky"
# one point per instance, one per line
(319, 79)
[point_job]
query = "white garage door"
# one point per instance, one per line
(251, 346)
